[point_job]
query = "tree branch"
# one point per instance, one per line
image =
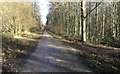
(92, 10)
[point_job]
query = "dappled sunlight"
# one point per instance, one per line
(49, 57)
(58, 47)
(29, 36)
(63, 47)
(52, 63)
(14, 50)
(59, 60)
(55, 59)
(54, 56)
(74, 49)
(47, 35)
(17, 37)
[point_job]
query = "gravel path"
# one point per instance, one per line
(52, 55)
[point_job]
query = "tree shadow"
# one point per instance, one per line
(55, 58)
(13, 49)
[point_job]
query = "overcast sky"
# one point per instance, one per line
(44, 8)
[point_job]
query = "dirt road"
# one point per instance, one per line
(52, 55)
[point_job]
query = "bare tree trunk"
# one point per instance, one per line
(103, 23)
(83, 21)
(114, 20)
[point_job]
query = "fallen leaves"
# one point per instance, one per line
(14, 48)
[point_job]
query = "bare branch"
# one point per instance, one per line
(92, 10)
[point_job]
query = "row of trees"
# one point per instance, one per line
(18, 18)
(93, 22)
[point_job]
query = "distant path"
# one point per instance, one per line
(52, 55)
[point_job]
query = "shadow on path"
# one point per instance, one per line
(52, 55)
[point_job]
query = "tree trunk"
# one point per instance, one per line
(83, 21)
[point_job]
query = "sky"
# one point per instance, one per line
(44, 9)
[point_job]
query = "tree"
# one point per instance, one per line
(93, 22)
(15, 18)
(83, 21)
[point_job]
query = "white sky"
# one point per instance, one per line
(44, 9)
(44, 6)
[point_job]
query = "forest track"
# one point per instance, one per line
(52, 55)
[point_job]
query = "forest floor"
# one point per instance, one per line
(14, 48)
(53, 55)
(98, 57)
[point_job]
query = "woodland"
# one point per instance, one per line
(91, 27)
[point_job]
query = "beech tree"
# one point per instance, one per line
(18, 18)
(91, 22)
